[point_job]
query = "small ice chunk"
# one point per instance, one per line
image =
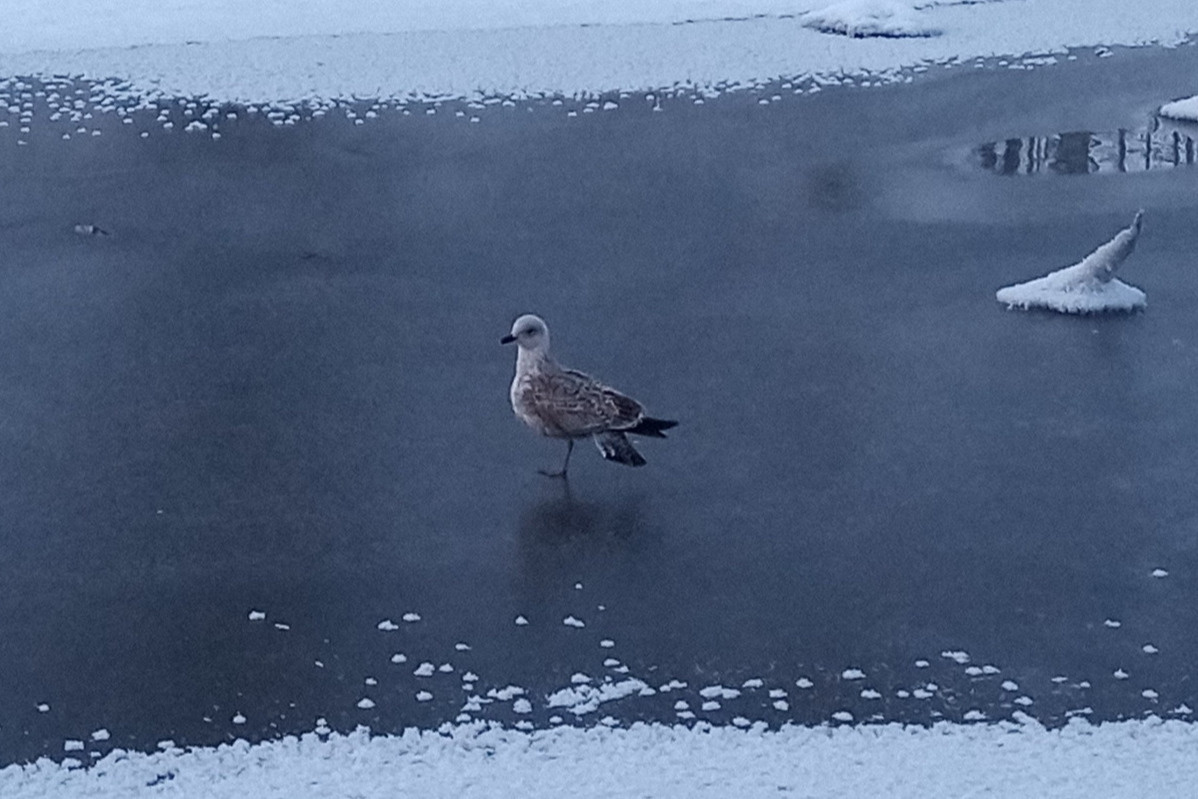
(281, 626)
(579, 678)
(71, 745)
(43, 708)
(469, 677)
(777, 693)
(1148, 693)
(1149, 649)
(922, 664)
(399, 657)
(711, 704)
(255, 615)
(853, 674)
(100, 735)
(974, 671)
(371, 681)
(1159, 573)
(461, 647)
(522, 706)
(521, 621)
(842, 715)
(365, 703)
(681, 704)
(804, 683)
(411, 618)
(781, 704)
(445, 668)
(504, 694)
(752, 683)
(960, 657)
(870, 693)
(1088, 286)
(1010, 685)
(425, 669)
(238, 719)
(1025, 701)
(423, 696)
(988, 669)
(387, 625)
(1120, 674)
(974, 715)
(1112, 623)
(611, 663)
(607, 643)
(570, 621)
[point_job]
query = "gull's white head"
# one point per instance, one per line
(529, 332)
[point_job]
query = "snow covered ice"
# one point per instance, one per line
(1089, 286)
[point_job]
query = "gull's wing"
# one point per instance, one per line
(574, 404)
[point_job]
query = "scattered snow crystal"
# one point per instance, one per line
(1086, 287)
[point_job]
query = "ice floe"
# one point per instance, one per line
(1089, 286)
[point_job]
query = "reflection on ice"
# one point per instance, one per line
(1161, 145)
(1086, 287)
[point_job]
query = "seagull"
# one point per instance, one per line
(563, 403)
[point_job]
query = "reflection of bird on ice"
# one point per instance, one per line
(1086, 287)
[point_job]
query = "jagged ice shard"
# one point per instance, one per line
(1086, 287)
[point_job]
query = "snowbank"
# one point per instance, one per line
(862, 18)
(1086, 287)
(1185, 110)
(312, 49)
(1123, 759)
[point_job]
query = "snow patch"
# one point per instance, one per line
(865, 18)
(1185, 109)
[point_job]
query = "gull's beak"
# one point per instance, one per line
(508, 339)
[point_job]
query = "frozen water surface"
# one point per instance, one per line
(274, 384)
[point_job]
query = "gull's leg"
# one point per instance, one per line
(566, 465)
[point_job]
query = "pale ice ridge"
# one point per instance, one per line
(304, 62)
(1185, 109)
(1086, 287)
(1120, 759)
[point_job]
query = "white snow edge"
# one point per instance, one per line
(1121, 759)
(1086, 287)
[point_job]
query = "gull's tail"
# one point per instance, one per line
(648, 426)
(616, 447)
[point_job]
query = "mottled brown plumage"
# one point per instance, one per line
(563, 403)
